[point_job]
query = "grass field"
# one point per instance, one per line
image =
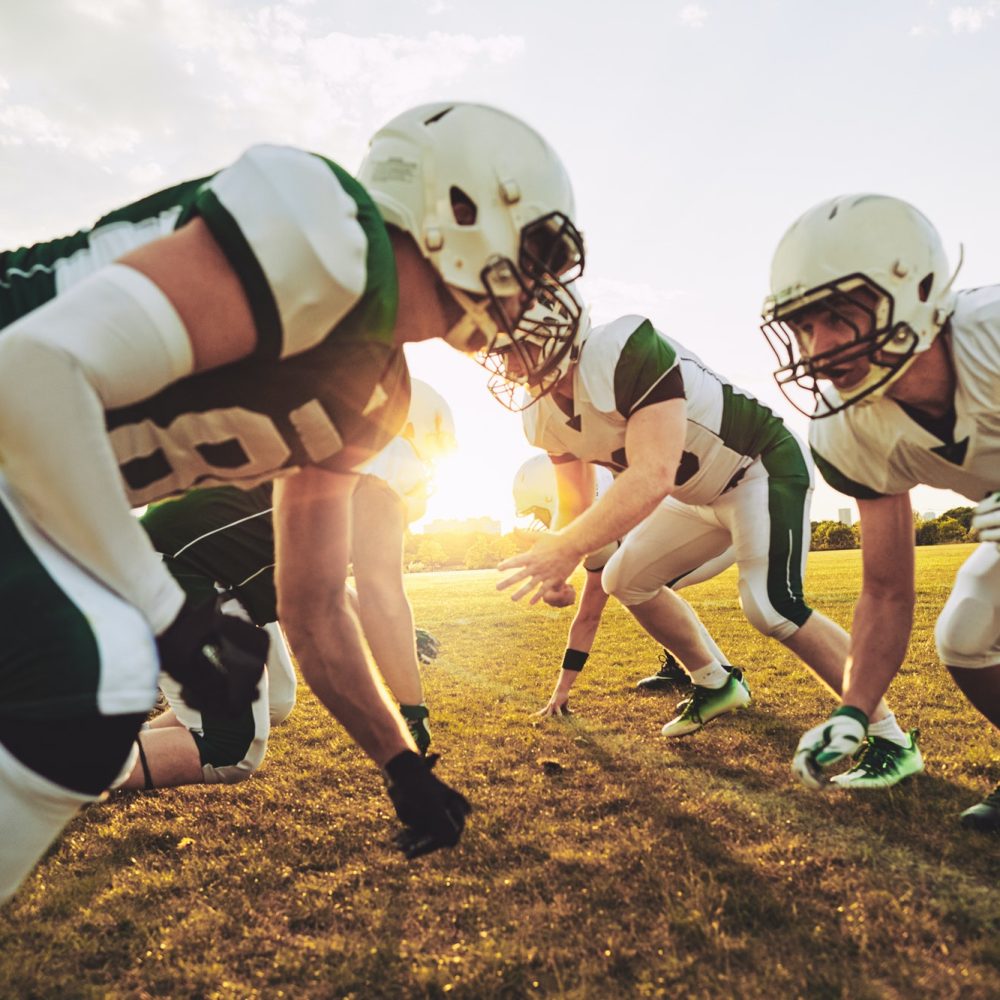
(636, 868)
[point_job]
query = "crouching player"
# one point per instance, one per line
(223, 539)
(861, 301)
(536, 495)
(236, 329)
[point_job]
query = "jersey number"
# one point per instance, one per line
(220, 445)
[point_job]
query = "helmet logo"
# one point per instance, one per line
(394, 170)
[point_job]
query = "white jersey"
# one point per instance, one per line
(882, 448)
(399, 466)
(628, 364)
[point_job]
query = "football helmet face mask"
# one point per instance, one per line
(430, 425)
(870, 265)
(526, 367)
(489, 205)
(535, 492)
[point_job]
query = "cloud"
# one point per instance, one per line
(124, 95)
(611, 298)
(218, 75)
(973, 17)
(693, 15)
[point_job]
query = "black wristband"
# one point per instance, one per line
(574, 659)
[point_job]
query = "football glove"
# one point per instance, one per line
(216, 657)
(986, 518)
(427, 646)
(823, 745)
(433, 814)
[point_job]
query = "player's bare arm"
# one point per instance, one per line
(312, 544)
(654, 438)
(883, 616)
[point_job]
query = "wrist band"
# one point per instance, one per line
(574, 659)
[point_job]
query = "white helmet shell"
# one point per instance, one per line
(867, 241)
(535, 489)
(487, 201)
(430, 425)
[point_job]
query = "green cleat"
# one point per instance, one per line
(416, 719)
(670, 677)
(984, 816)
(881, 763)
(707, 703)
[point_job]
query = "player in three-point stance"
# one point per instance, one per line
(701, 465)
(222, 540)
(536, 495)
(862, 302)
(242, 327)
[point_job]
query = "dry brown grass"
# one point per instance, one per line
(643, 867)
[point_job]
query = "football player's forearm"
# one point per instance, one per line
(879, 637)
(633, 496)
(334, 665)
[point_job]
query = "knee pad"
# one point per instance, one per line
(779, 619)
(966, 632)
(629, 591)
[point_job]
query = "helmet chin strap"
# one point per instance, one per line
(476, 320)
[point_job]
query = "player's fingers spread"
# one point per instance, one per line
(511, 580)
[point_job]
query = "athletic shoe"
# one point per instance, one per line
(670, 677)
(706, 703)
(415, 717)
(880, 763)
(427, 646)
(984, 816)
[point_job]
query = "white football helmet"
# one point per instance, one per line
(535, 491)
(490, 206)
(870, 251)
(430, 426)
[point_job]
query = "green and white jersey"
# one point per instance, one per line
(317, 267)
(221, 536)
(628, 364)
(399, 466)
(882, 447)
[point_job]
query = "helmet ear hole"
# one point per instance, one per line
(462, 207)
(924, 288)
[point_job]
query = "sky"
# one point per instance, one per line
(694, 134)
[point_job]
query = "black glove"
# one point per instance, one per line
(433, 814)
(216, 658)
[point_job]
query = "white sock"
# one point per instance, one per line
(889, 729)
(713, 675)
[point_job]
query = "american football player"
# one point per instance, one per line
(701, 465)
(901, 377)
(536, 495)
(223, 539)
(230, 330)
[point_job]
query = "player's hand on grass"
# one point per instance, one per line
(828, 743)
(432, 813)
(985, 523)
(216, 657)
(558, 704)
(542, 569)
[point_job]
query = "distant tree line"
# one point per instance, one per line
(462, 549)
(951, 526)
(479, 550)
